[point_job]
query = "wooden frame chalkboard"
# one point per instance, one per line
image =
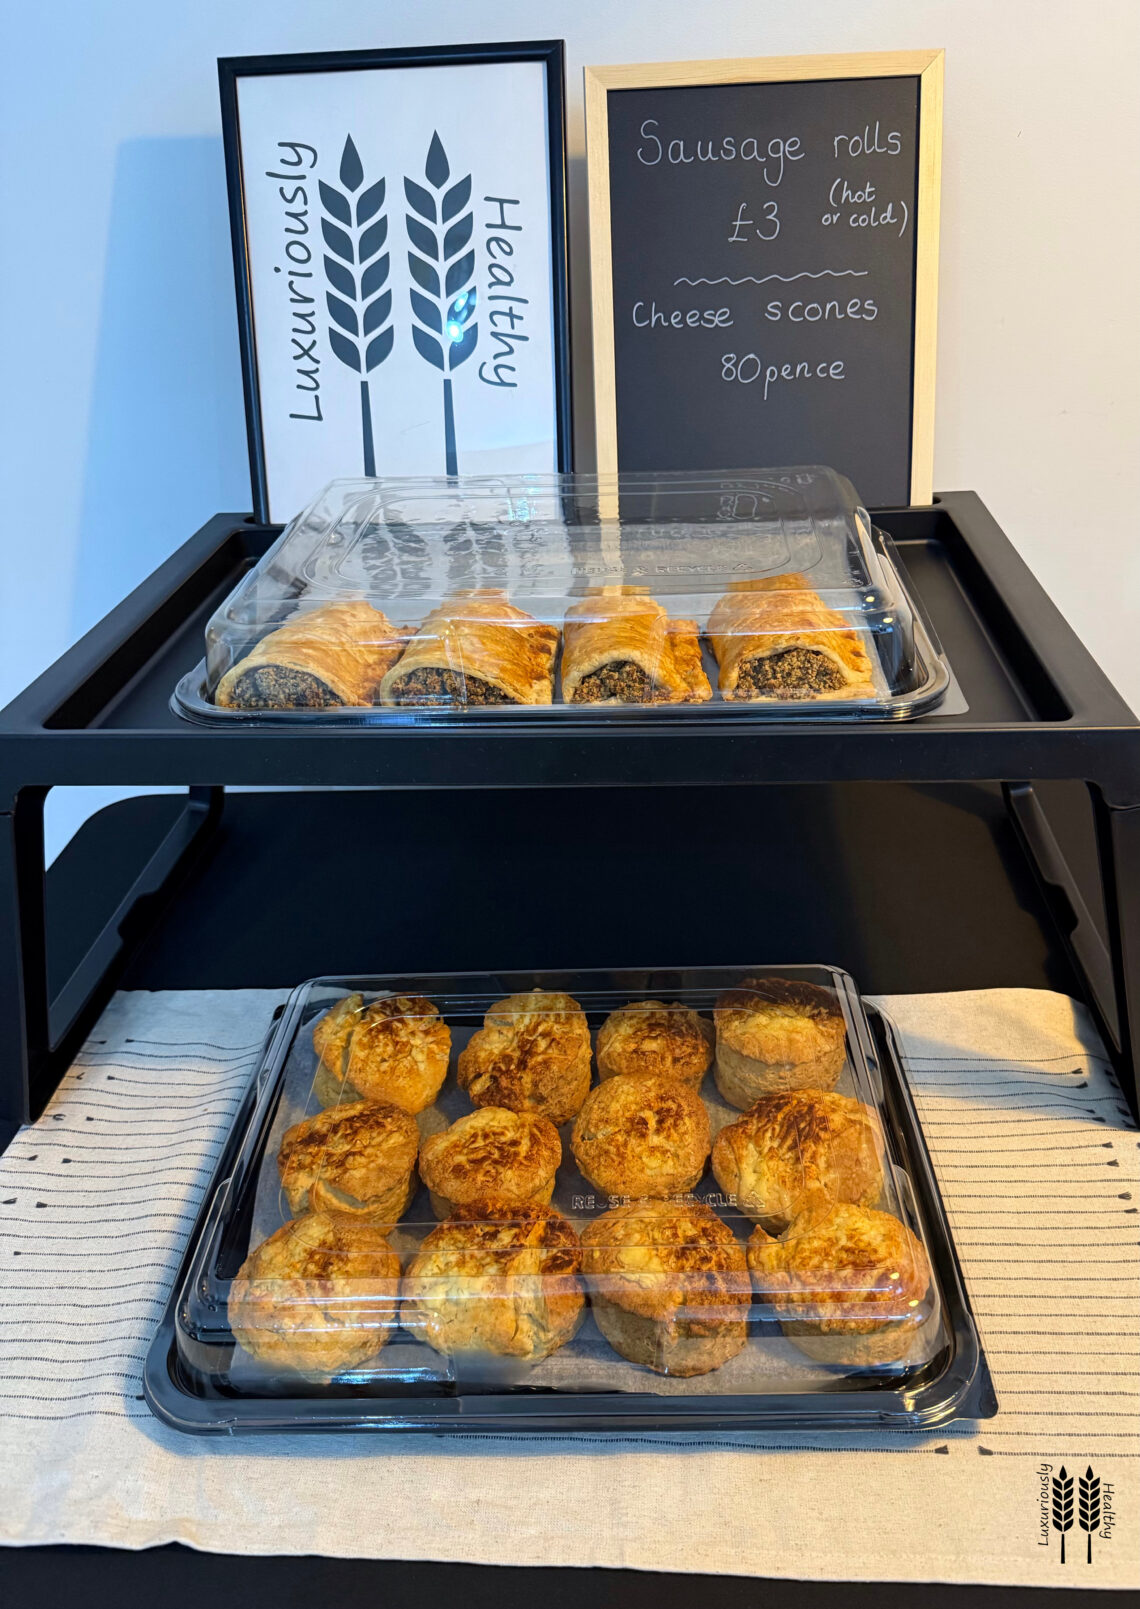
(669, 181)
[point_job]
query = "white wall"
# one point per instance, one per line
(120, 386)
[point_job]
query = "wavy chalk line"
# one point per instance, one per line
(750, 279)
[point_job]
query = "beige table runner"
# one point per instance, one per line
(1039, 1167)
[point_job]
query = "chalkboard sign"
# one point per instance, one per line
(764, 244)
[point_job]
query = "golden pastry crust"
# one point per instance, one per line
(775, 1034)
(492, 1153)
(650, 1037)
(395, 1049)
(319, 1296)
(621, 648)
(847, 1283)
(777, 639)
(497, 1279)
(642, 1136)
(790, 1148)
(532, 1055)
(476, 649)
(334, 655)
(356, 1160)
(668, 1284)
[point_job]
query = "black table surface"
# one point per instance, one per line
(900, 917)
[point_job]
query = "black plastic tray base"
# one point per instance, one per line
(955, 1386)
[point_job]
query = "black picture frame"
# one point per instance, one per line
(231, 69)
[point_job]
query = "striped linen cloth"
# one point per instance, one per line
(1039, 1166)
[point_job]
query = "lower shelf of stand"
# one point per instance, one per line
(909, 888)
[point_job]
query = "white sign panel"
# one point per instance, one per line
(400, 252)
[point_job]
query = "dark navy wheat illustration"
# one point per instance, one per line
(355, 229)
(445, 330)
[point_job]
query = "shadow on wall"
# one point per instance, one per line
(167, 445)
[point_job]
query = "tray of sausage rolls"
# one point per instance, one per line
(577, 598)
(662, 1198)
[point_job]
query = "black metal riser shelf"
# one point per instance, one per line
(1019, 818)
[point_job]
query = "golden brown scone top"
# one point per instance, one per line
(496, 1279)
(794, 1145)
(361, 1148)
(491, 1153)
(655, 1257)
(642, 1136)
(320, 1295)
(844, 1268)
(780, 1020)
(532, 1054)
(650, 1037)
(395, 1049)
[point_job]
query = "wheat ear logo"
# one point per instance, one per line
(445, 330)
(1088, 1506)
(355, 229)
(1062, 1506)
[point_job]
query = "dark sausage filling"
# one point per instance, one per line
(277, 687)
(622, 680)
(793, 673)
(430, 686)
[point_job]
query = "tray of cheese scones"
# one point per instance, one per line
(607, 1199)
(582, 598)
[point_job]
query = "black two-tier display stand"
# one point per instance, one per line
(999, 846)
(991, 848)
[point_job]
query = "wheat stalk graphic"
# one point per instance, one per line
(357, 273)
(1062, 1506)
(1088, 1505)
(445, 330)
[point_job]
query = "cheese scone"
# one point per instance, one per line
(395, 1049)
(650, 1037)
(531, 1055)
(356, 1159)
(775, 1034)
(642, 1137)
(491, 1154)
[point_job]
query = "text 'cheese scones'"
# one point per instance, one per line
(496, 1279)
(491, 1154)
(774, 1034)
(394, 1049)
(847, 1283)
(642, 1137)
(649, 1037)
(320, 1296)
(531, 1055)
(668, 1285)
(790, 1148)
(357, 1159)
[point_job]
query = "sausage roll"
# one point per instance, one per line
(776, 639)
(622, 648)
(476, 649)
(323, 658)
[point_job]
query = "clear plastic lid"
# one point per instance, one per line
(669, 1184)
(400, 600)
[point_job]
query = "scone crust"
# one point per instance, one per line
(669, 1285)
(841, 1273)
(395, 1049)
(791, 1147)
(498, 1279)
(532, 1055)
(776, 1034)
(356, 1159)
(651, 1038)
(642, 1136)
(319, 1296)
(492, 1153)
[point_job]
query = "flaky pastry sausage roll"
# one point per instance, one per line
(476, 649)
(622, 648)
(776, 639)
(336, 654)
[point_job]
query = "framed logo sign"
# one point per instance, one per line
(399, 235)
